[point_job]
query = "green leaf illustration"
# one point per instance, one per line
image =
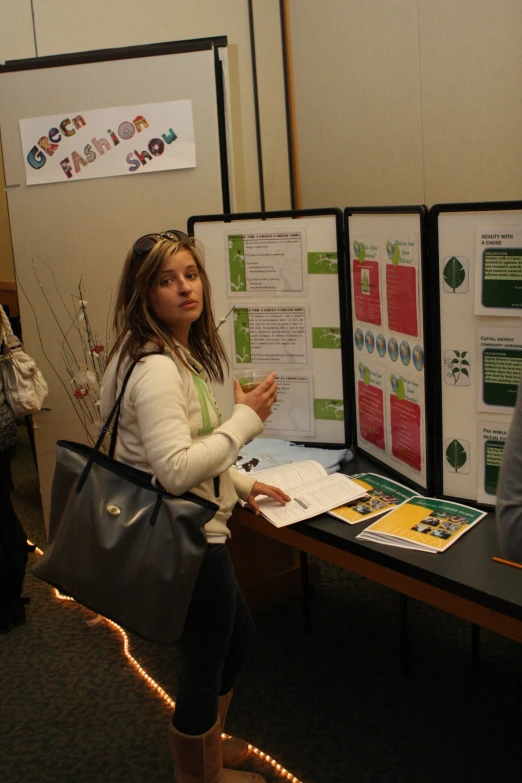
(456, 455)
(362, 252)
(400, 390)
(366, 376)
(465, 372)
(454, 273)
(396, 257)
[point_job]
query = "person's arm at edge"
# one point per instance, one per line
(509, 491)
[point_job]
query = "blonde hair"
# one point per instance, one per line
(136, 325)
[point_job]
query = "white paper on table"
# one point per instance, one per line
(292, 475)
(311, 499)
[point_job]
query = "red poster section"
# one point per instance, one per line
(401, 298)
(371, 414)
(406, 431)
(366, 291)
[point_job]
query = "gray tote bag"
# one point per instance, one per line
(119, 545)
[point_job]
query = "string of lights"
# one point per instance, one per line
(158, 690)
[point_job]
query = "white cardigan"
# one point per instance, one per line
(170, 427)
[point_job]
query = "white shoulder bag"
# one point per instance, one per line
(24, 386)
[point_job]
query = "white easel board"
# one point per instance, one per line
(281, 276)
(74, 230)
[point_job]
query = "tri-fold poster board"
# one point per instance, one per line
(395, 331)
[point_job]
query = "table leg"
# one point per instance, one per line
(404, 641)
(475, 648)
(305, 591)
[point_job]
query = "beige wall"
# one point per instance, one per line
(16, 30)
(16, 42)
(270, 71)
(105, 24)
(471, 92)
(408, 101)
(397, 101)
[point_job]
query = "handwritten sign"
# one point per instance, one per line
(73, 146)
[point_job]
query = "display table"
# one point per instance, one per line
(463, 581)
(265, 568)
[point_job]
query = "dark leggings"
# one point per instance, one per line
(13, 552)
(218, 632)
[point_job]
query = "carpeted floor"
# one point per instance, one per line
(331, 706)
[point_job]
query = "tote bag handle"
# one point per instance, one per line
(115, 412)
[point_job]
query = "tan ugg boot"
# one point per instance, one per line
(234, 749)
(198, 759)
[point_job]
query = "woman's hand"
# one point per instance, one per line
(260, 399)
(270, 491)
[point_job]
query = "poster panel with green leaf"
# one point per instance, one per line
(479, 259)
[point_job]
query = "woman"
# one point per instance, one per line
(170, 427)
(13, 541)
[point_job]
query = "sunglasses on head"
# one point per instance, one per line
(145, 243)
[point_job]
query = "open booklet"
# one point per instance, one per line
(381, 495)
(312, 489)
(425, 524)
